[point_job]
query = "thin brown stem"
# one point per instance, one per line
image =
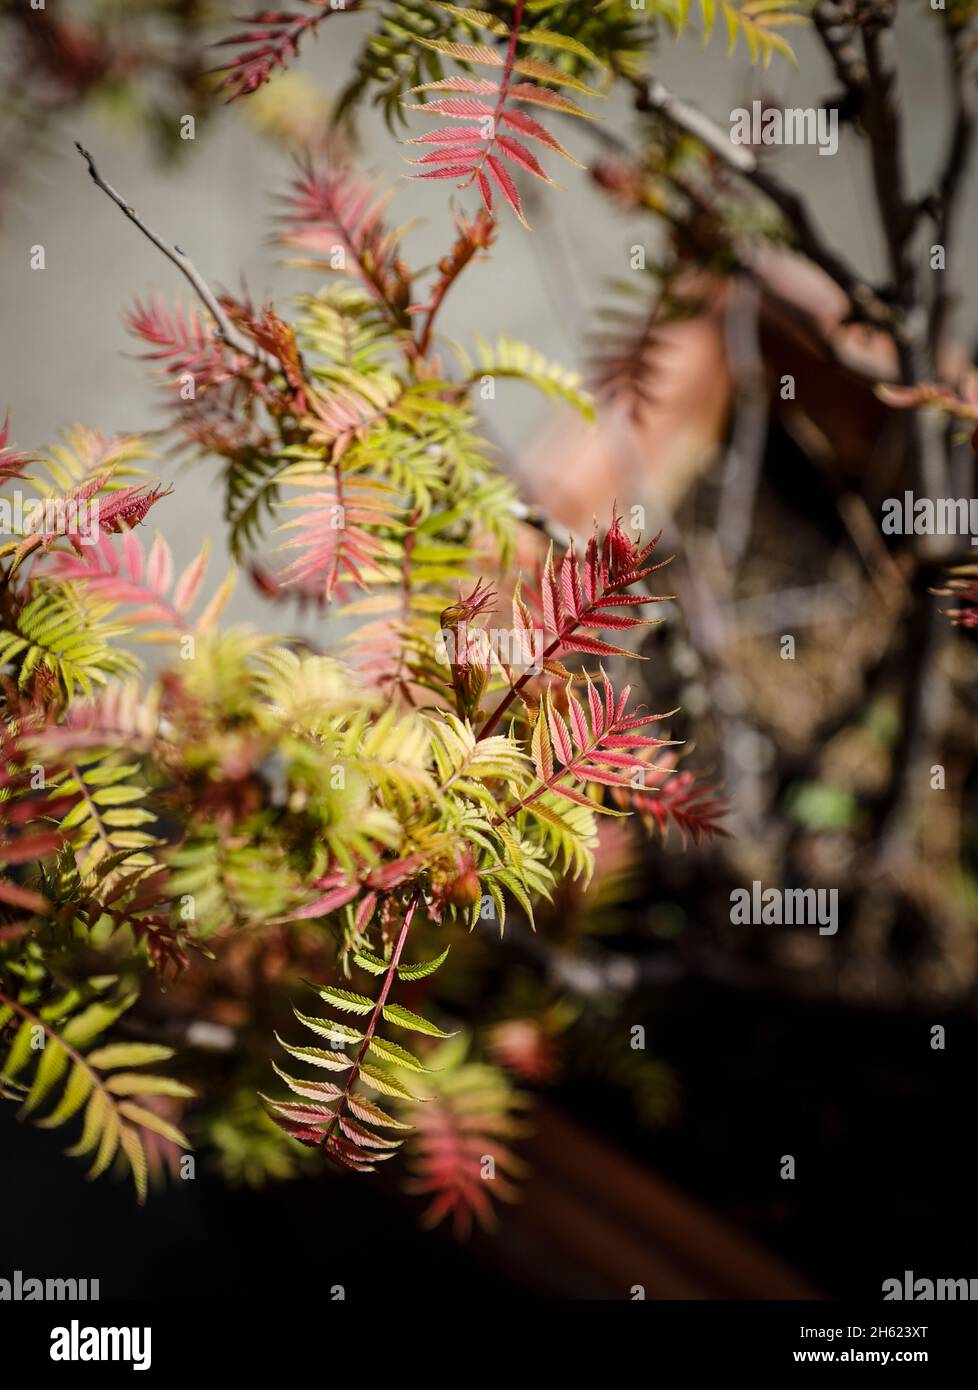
(654, 96)
(950, 182)
(452, 267)
(515, 689)
(231, 335)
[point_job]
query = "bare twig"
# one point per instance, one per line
(923, 686)
(235, 339)
(742, 466)
(834, 23)
(883, 123)
(651, 95)
(947, 193)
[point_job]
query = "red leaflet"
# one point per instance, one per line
(454, 171)
(569, 794)
(331, 206)
(567, 747)
(544, 96)
(519, 154)
(329, 902)
(445, 135)
(365, 912)
(526, 125)
(602, 619)
(449, 153)
(559, 734)
(462, 108)
(122, 576)
(391, 875)
(478, 86)
(592, 646)
(636, 741)
(331, 533)
(15, 896)
(342, 888)
(570, 585)
(488, 169)
(671, 798)
(303, 1114)
(364, 1137)
(611, 600)
(273, 39)
(591, 773)
(552, 611)
(314, 1090)
(34, 846)
(594, 701)
(183, 339)
(507, 187)
(578, 721)
(580, 597)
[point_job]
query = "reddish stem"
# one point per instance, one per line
(438, 295)
(510, 59)
(511, 694)
(504, 87)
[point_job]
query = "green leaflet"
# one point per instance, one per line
(479, 19)
(148, 1119)
(423, 968)
(366, 1110)
(93, 1082)
(131, 1146)
(131, 1083)
(346, 1000)
(104, 823)
(73, 1097)
(499, 903)
(129, 1055)
(20, 1052)
(511, 358)
(368, 961)
(87, 1025)
(312, 1090)
(53, 1064)
(404, 1018)
(756, 22)
(74, 643)
(328, 1028)
(392, 1052)
(385, 1082)
(316, 1056)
